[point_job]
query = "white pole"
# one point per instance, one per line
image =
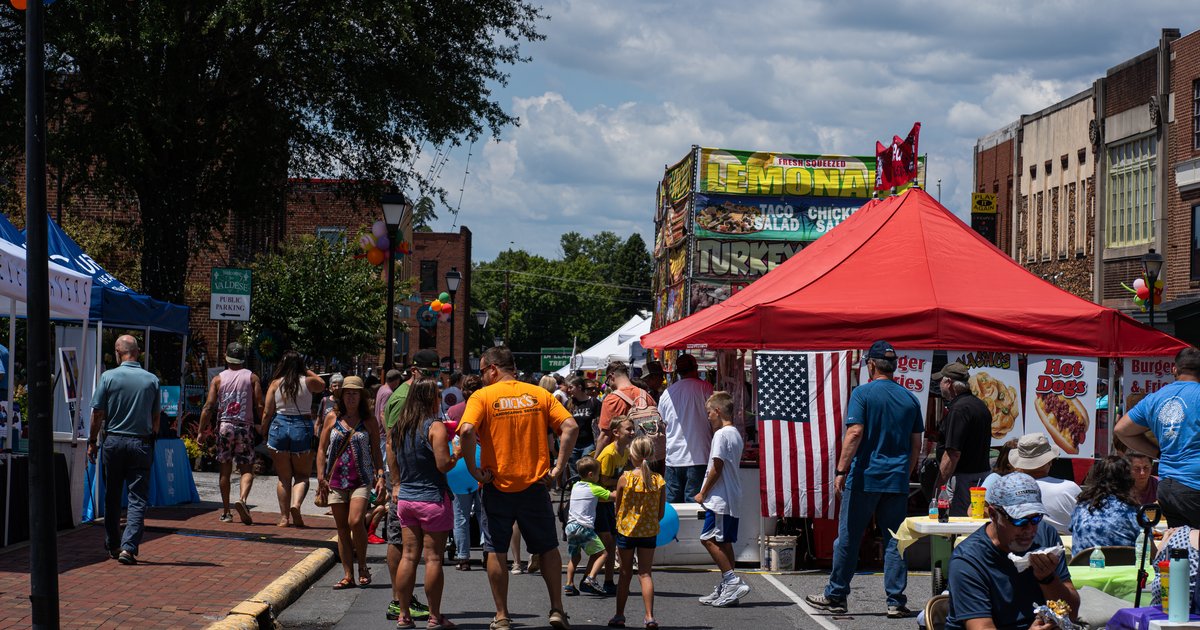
(12, 382)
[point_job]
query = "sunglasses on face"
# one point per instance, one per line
(1032, 519)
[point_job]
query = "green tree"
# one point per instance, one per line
(199, 110)
(112, 244)
(317, 298)
(632, 268)
(424, 214)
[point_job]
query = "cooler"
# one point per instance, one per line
(688, 550)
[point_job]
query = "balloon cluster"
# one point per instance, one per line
(375, 244)
(442, 306)
(1143, 293)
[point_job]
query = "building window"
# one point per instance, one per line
(332, 235)
(1131, 192)
(1033, 171)
(1082, 157)
(429, 276)
(1065, 161)
(1048, 169)
(1196, 242)
(1196, 114)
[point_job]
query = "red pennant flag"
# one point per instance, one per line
(883, 167)
(906, 171)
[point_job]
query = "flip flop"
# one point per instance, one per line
(650, 623)
(343, 584)
(617, 621)
(364, 577)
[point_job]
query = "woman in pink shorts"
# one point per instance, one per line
(419, 448)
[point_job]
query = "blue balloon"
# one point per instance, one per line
(461, 481)
(668, 526)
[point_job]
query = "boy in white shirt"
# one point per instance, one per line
(720, 496)
(586, 494)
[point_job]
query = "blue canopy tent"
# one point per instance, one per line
(115, 304)
(10, 233)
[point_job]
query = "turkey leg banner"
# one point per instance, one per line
(1061, 392)
(912, 371)
(1144, 375)
(996, 380)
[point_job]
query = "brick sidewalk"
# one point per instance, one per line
(192, 569)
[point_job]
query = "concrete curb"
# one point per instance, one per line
(261, 610)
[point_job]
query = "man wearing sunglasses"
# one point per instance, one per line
(986, 589)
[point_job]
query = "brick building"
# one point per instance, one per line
(434, 254)
(1182, 252)
(995, 166)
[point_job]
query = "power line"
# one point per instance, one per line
(466, 171)
(540, 275)
(562, 292)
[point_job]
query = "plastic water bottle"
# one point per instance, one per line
(1096, 560)
(933, 508)
(943, 505)
(1177, 610)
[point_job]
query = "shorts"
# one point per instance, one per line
(722, 528)
(582, 537)
(606, 517)
(290, 434)
(530, 509)
(1179, 504)
(343, 496)
(393, 531)
(636, 542)
(235, 443)
(430, 517)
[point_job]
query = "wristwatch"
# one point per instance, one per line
(841, 473)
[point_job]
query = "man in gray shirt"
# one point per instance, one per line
(126, 405)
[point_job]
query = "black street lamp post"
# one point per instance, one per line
(453, 278)
(395, 207)
(481, 318)
(1152, 264)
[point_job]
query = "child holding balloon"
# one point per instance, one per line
(641, 501)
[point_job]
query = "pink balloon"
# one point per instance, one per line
(366, 242)
(1139, 283)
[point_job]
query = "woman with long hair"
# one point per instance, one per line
(347, 472)
(1105, 511)
(419, 458)
(287, 423)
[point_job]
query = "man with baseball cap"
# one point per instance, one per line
(966, 437)
(1033, 456)
(235, 399)
(879, 451)
(987, 590)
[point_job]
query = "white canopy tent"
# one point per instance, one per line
(617, 346)
(70, 299)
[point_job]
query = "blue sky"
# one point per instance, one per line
(621, 88)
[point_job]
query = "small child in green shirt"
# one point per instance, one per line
(586, 494)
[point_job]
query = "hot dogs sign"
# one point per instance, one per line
(1061, 392)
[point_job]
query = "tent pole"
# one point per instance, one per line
(147, 348)
(182, 387)
(12, 416)
(78, 429)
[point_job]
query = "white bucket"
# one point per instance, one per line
(781, 553)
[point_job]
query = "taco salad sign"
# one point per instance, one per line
(1060, 391)
(996, 380)
(746, 217)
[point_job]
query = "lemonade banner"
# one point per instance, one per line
(996, 380)
(752, 217)
(728, 171)
(1060, 401)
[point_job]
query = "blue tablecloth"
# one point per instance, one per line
(1138, 618)
(171, 481)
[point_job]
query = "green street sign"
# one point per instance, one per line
(555, 358)
(229, 295)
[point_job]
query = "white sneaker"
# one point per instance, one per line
(707, 600)
(732, 593)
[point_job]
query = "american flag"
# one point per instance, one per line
(801, 400)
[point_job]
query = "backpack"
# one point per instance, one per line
(644, 413)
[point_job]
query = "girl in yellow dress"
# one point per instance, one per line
(640, 499)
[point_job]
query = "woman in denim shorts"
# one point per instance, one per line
(287, 423)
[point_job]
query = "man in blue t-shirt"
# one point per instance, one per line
(986, 589)
(1173, 414)
(879, 450)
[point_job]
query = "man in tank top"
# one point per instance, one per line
(235, 398)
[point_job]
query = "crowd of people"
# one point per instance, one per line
(383, 460)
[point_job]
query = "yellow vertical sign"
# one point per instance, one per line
(983, 203)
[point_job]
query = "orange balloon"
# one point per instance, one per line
(19, 4)
(436, 306)
(375, 256)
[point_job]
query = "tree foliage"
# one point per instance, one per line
(318, 299)
(424, 214)
(201, 109)
(112, 244)
(555, 302)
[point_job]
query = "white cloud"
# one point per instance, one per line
(621, 89)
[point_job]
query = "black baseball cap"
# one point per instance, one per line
(235, 353)
(426, 360)
(881, 350)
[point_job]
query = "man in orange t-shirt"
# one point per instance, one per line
(511, 419)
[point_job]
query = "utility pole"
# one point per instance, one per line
(504, 304)
(43, 552)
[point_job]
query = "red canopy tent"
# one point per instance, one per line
(907, 270)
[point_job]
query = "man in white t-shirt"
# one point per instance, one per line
(1033, 456)
(688, 431)
(720, 496)
(452, 395)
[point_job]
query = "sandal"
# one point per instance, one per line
(500, 624)
(344, 583)
(465, 565)
(442, 623)
(364, 577)
(405, 622)
(617, 621)
(650, 623)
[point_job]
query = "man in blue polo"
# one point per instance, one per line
(879, 450)
(126, 406)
